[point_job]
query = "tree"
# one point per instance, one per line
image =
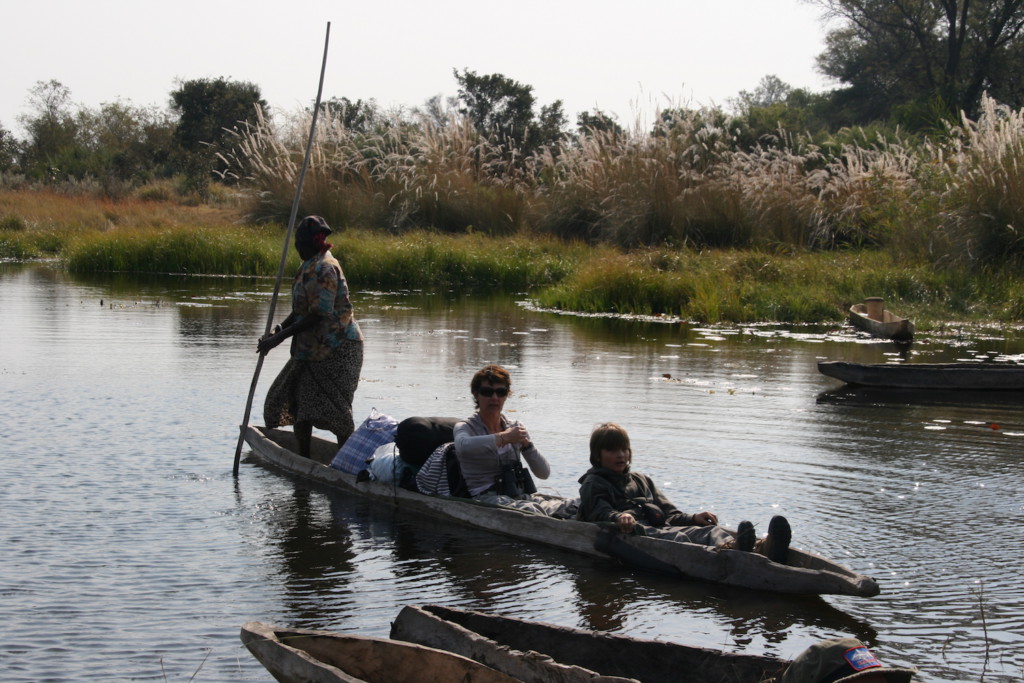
(598, 121)
(502, 109)
(129, 143)
(9, 150)
(52, 131)
(438, 111)
(775, 105)
(928, 55)
(358, 116)
(770, 90)
(550, 126)
(207, 110)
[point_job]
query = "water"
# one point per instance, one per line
(131, 553)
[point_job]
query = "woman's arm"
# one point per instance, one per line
(537, 462)
(289, 328)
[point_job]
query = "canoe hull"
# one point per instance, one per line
(945, 376)
(804, 573)
(308, 656)
(536, 652)
(891, 326)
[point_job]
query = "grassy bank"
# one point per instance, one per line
(713, 286)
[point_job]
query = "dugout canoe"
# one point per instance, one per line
(930, 376)
(537, 652)
(804, 572)
(308, 656)
(878, 322)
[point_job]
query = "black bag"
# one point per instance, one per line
(418, 437)
(646, 512)
(653, 516)
(514, 481)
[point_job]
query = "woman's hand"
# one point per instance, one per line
(515, 434)
(266, 343)
(626, 522)
(705, 519)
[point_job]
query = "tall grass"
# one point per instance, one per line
(635, 189)
(404, 175)
(984, 197)
(691, 181)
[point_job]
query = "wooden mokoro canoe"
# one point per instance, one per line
(540, 653)
(803, 573)
(891, 326)
(947, 376)
(307, 656)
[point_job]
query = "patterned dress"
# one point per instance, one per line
(319, 381)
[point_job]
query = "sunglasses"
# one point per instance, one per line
(487, 392)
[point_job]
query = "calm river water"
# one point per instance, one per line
(129, 552)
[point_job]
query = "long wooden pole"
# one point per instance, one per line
(284, 252)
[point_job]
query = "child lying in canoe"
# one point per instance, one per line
(610, 492)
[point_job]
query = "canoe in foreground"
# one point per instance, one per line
(539, 653)
(307, 656)
(804, 573)
(965, 376)
(887, 326)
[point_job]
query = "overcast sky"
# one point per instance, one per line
(627, 58)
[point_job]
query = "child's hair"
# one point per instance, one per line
(607, 436)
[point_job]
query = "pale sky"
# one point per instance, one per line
(627, 58)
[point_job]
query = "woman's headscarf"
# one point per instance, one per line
(313, 230)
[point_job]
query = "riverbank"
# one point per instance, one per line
(709, 286)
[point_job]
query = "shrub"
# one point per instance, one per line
(12, 223)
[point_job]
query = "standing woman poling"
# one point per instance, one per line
(316, 386)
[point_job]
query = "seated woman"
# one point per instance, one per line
(488, 446)
(610, 492)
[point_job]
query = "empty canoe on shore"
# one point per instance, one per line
(944, 376)
(804, 572)
(540, 653)
(882, 324)
(307, 656)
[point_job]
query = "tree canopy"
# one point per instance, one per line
(358, 116)
(207, 109)
(503, 109)
(923, 57)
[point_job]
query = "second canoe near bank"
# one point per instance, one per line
(872, 317)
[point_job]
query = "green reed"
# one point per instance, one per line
(412, 260)
(428, 260)
(203, 250)
(753, 286)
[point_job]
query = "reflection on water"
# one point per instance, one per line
(123, 396)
